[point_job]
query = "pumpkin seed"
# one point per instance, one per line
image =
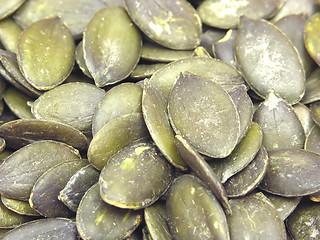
(201, 52)
(217, 71)
(45, 191)
(8, 7)
(315, 197)
(209, 37)
(156, 53)
(303, 223)
(292, 173)
(315, 112)
(114, 136)
(75, 20)
(21, 132)
(98, 220)
(224, 48)
(143, 71)
(268, 60)
(284, 205)
(59, 104)
(304, 115)
(22, 168)
(254, 217)
(121, 100)
(194, 212)
(116, 46)
(292, 26)
(121, 182)
(17, 102)
(3, 144)
(156, 219)
(9, 34)
(203, 113)
(155, 114)
(312, 88)
(10, 219)
(172, 24)
(312, 140)
(80, 59)
(203, 171)
(48, 228)
(312, 37)
(226, 14)
(20, 207)
(280, 125)
(249, 178)
(77, 185)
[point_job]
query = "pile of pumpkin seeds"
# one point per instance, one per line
(160, 119)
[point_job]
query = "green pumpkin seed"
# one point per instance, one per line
(209, 37)
(3, 144)
(217, 71)
(114, 136)
(98, 220)
(9, 7)
(143, 71)
(9, 34)
(21, 132)
(312, 37)
(226, 14)
(46, 53)
(155, 114)
(312, 140)
(224, 48)
(204, 114)
(268, 60)
(254, 217)
(77, 185)
(21, 169)
(45, 191)
(81, 61)
(249, 178)
(303, 223)
(123, 185)
(194, 212)
(17, 102)
(201, 52)
(241, 156)
(312, 88)
(172, 24)
(74, 13)
(156, 53)
(304, 115)
(292, 173)
(20, 207)
(292, 26)
(59, 104)
(315, 112)
(10, 219)
(280, 125)
(48, 228)
(284, 205)
(112, 52)
(157, 221)
(203, 171)
(121, 100)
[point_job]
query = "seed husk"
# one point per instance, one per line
(18, 206)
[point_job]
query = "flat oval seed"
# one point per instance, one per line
(21, 132)
(111, 40)
(292, 173)
(156, 219)
(304, 115)
(10, 219)
(249, 178)
(77, 185)
(143, 71)
(114, 136)
(194, 212)
(254, 217)
(18, 206)
(45, 191)
(48, 228)
(59, 104)
(9, 34)
(217, 71)
(280, 125)
(226, 14)
(268, 61)
(155, 114)
(122, 183)
(80, 60)
(172, 24)
(312, 93)
(22, 168)
(74, 13)
(224, 48)
(46, 53)
(205, 115)
(315, 112)
(98, 220)
(313, 140)
(8, 7)
(312, 37)
(121, 100)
